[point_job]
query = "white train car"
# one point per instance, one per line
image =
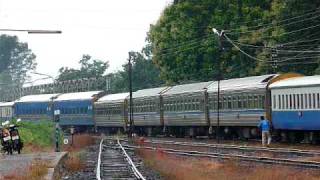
(185, 109)
(6, 111)
(111, 112)
(147, 110)
(296, 107)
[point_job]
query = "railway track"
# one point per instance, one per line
(115, 163)
(288, 161)
(256, 159)
(282, 152)
(255, 149)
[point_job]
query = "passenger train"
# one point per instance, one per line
(290, 101)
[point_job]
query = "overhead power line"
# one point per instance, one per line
(275, 25)
(311, 12)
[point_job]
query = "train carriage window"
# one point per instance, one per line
(259, 99)
(290, 101)
(185, 105)
(256, 101)
(189, 104)
(314, 100)
(180, 105)
(229, 102)
(318, 100)
(234, 102)
(310, 102)
(306, 101)
(239, 102)
(298, 101)
(215, 102)
(250, 98)
(279, 102)
(294, 101)
(301, 101)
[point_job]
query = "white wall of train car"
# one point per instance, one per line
(242, 102)
(111, 112)
(147, 109)
(296, 105)
(184, 108)
(6, 111)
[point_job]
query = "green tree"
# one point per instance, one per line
(16, 59)
(185, 48)
(144, 74)
(90, 68)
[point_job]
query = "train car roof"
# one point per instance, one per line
(238, 84)
(37, 98)
(188, 88)
(3, 104)
(113, 97)
(78, 96)
(149, 92)
(296, 82)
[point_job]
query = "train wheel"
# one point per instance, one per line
(292, 137)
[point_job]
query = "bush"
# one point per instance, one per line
(40, 134)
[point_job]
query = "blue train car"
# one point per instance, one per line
(296, 106)
(6, 111)
(76, 109)
(34, 107)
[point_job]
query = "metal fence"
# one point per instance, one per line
(79, 85)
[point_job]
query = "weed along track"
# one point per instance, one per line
(272, 156)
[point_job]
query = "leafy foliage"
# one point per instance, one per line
(185, 48)
(144, 74)
(41, 134)
(16, 59)
(90, 68)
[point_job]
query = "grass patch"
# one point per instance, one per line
(38, 137)
(39, 134)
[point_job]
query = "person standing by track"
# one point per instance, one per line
(264, 126)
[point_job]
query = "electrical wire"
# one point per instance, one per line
(187, 43)
(284, 20)
(243, 52)
(275, 26)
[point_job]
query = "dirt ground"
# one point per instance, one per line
(174, 167)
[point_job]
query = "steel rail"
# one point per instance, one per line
(98, 172)
(132, 165)
(267, 160)
(227, 146)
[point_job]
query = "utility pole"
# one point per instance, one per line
(131, 122)
(274, 59)
(220, 36)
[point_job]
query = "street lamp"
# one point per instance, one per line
(131, 125)
(30, 31)
(220, 35)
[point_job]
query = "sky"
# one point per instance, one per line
(105, 29)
